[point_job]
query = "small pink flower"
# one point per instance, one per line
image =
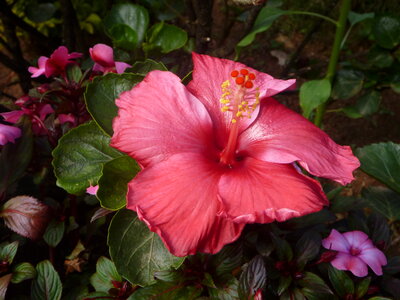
(8, 134)
(55, 65)
(103, 56)
(92, 190)
(67, 118)
(355, 252)
(220, 153)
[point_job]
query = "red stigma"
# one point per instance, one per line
(252, 76)
(239, 80)
(244, 71)
(235, 73)
(248, 84)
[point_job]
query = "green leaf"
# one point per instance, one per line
(40, 12)
(347, 84)
(284, 283)
(355, 18)
(307, 248)
(263, 22)
(341, 282)
(79, 157)
(74, 73)
(165, 37)
(386, 30)
(283, 249)
(314, 93)
(366, 105)
(101, 93)
(229, 291)
(253, 278)
(393, 266)
(382, 161)
(134, 16)
(384, 201)
(105, 274)
(47, 285)
(314, 287)
(23, 271)
(144, 67)
(54, 233)
(380, 58)
(136, 251)
(8, 251)
(167, 291)
(15, 158)
(4, 281)
(113, 184)
(123, 37)
(362, 287)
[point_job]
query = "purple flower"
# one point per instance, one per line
(8, 134)
(355, 252)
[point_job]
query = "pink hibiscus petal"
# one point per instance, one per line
(208, 75)
(374, 258)
(336, 241)
(283, 136)
(92, 190)
(8, 134)
(347, 262)
(159, 118)
(103, 55)
(98, 68)
(177, 199)
(120, 67)
(258, 191)
(12, 116)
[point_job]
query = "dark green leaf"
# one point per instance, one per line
(322, 216)
(144, 67)
(382, 161)
(208, 281)
(380, 58)
(380, 298)
(113, 184)
(384, 201)
(341, 282)
(105, 274)
(253, 278)
(123, 37)
(284, 283)
(366, 105)
(316, 284)
(362, 287)
(307, 248)
(167, 291)
(47, 285)
(74, 73)
(132, 15)
(8, 251)
(79, 157)
(4, 281)
(379, 230)
(169, 276)
(165, 37)
(347, 84)
(344, 204)
(228, 259)
(283, 248)
(101, 93)
(15, 158)
(94, 295)
(228, 292)
(136, 251)
(23, 271)
(314, 93)
(54, 233)
(263, 22)
(355, 18)
(393, 266)
(391, 285)
(386, 31)
(40, 12)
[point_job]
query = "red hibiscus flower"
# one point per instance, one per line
(221, 153)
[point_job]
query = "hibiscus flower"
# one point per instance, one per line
(355, 252)
(56, 64)
(8, 134)
(103, 57)
(220, 153)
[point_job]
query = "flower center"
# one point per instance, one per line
(354, 251)
(239, 99)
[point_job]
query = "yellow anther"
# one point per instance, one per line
(225, 84)
(239, 114)
(233, 121)
(224, 100)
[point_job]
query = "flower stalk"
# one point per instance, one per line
(333, 61)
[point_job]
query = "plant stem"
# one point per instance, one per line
(309, 13)
(340, 30)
